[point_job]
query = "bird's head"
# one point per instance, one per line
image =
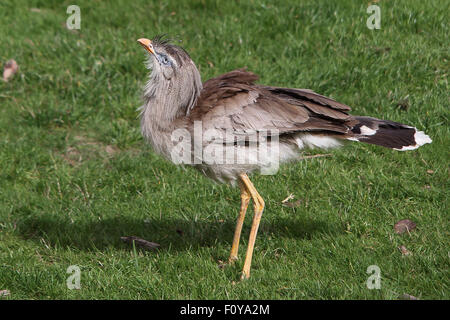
(175, 82)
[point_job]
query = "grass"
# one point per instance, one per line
(75, 174)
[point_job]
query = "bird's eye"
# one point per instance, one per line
(164, 60)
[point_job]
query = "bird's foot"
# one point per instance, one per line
(222, 264)
(232, 260)
(245, 275)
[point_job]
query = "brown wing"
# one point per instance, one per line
(233, 102)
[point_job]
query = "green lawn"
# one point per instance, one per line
(75, 174)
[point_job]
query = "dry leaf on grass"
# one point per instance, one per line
(404, 225)
(406, 296)
(289, 197)
(404, 251)
(293, 204)
(11, 67)
(4, 293)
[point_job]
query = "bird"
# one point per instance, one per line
(229, 127)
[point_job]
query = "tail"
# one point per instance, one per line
(388, 134)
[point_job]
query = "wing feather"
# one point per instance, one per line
(233, 102)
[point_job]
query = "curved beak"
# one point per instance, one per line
(147, 44)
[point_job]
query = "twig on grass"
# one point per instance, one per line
(144, 244)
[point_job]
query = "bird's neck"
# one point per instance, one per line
(157, 126)
(157, 119)
(165, 101)
(164, 105)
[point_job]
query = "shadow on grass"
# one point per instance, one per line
(174, 233)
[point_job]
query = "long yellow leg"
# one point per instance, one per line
(258, 204)
(245, 199)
